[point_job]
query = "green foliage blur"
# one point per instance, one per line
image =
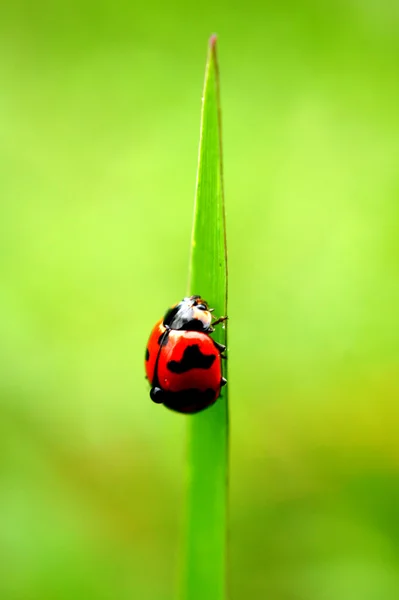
(99, 121)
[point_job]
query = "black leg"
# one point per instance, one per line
(220, 320)
(220, 347)
(223, 382)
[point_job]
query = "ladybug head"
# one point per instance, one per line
(192, 314)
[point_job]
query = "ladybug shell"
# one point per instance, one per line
(152, 350)
(186, 366)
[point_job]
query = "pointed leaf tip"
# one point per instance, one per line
(212, 41)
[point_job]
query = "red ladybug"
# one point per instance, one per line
(183, 363)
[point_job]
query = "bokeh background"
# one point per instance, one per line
(99, 120)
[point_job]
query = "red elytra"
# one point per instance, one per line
(183, 363)
(152, 350)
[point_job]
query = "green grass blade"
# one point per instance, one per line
(205, 557)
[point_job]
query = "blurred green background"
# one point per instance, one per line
(99, 122)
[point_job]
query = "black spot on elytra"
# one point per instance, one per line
(192, 359)
(147, 354)
(187, 401)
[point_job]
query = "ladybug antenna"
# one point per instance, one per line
(211, 309)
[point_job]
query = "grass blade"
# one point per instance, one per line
(204, 574)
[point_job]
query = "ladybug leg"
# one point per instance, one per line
(219, 320)
(211, 328)
(219, 347)
(156, 395)
(223, 382)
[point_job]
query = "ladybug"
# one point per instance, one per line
(182, 362)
